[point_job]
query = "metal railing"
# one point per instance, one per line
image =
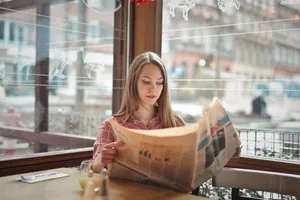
(75, 123)
(270, 144)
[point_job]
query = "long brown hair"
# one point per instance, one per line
(131, 99)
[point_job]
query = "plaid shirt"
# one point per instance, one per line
(106, 134)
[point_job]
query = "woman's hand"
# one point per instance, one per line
(107, 156)
(109, 152)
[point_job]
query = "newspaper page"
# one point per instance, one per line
(163, 156)
(180, 158)
(218, 142)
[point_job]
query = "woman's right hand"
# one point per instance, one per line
(107, 156)
(109, 152)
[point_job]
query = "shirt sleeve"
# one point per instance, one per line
(105, 136)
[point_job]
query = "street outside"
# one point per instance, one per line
(285, 115)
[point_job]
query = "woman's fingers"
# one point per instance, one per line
(109, 156)
(106, 161)
(109, 151)
(113, 144)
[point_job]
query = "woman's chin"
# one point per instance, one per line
(150, 103)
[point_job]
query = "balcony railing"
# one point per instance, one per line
(262, 143)
(270, 144)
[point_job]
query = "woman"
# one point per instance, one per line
(146, 105)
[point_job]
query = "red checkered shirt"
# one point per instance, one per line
(106, 134)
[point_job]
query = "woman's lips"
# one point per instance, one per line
(151, 97)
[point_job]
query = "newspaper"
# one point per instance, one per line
(181, 158)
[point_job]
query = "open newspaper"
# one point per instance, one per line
(181, 158)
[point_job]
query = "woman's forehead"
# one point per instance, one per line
(151, 71)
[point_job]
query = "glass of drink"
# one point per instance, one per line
(85, 173)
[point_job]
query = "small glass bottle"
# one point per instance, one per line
(104, 185)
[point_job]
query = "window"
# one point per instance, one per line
(290, 57)
(208, 41)
(197, 38)
(93, 32)
(297, 58)
(12, 32)
(249, 26)
(240, 21)
(18, 59)
(22, 33)
(78, 83)
(2, 30)
(228, 43)
(276, 54)
(252, 56)
(72, 28)
(284, 55)
(81, 71)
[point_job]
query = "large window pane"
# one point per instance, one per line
(79, 81)
(17, 74)
(244, 53)
(238, 55)
(81, 63)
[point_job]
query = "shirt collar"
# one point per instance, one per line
(126, 118)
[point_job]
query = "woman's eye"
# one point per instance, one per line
(159, 83)
(146, 82)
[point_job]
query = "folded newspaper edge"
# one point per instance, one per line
(180, 158)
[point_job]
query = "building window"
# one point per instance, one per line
(240, 20)
(297, 58)
(93, 32)
(73, 26)
(253, 54)
(277, 54)
(290, 56)
(31, 35)
(248, 25)
(22, 34)
(172, 45)
(12, 32)
(2, 30)
(284, 56)
(197, 39)
(228, 43)
(196, 70)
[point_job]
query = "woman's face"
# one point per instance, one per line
(150, 84)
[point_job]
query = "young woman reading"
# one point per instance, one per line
(146, 105)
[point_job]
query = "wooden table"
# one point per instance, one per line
(68, 188)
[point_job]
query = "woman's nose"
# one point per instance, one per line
(153, 87)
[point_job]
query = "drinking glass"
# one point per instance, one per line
(85, 173)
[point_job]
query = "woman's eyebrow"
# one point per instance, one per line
(147, 77)
(151, 78)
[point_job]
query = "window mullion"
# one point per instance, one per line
(41, 73)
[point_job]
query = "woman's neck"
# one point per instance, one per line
(145, 114)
